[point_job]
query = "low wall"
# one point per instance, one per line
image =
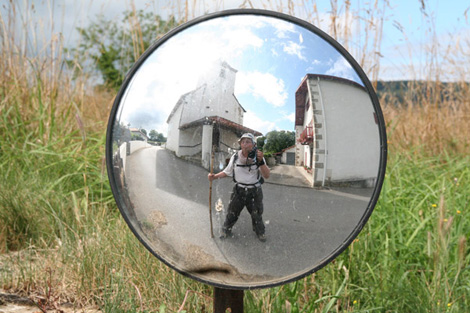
(133, 147)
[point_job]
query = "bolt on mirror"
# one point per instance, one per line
(182, 116)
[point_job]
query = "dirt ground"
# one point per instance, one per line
(10, 303)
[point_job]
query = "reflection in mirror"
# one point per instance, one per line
(181, 116)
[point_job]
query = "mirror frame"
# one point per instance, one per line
(254, 12)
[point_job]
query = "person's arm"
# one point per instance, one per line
(222, 174)
(211, 177)
(264, 169)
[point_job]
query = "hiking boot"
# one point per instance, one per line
(226, 234)
(261, 237)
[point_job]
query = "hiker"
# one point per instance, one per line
(248, 169)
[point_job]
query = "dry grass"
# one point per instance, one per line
(44, 113)
(432, 127)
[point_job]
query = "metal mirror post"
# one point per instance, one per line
(179, 118)
(228, 299)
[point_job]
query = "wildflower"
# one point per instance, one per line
(449, 305)
(434, 205)
(458, 211)
(355, 302)
(445, 220)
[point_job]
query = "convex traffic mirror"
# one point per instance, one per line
(180, 115)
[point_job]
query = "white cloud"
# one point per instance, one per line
(251, 120)
(293, 48)
(290, 117)
(175, 68)
(282, 27)
(262, 85)
(341, 68)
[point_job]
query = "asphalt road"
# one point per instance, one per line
(304, 226)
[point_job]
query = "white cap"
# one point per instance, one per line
(247, 135)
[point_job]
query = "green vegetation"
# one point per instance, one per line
(405, 93)
(113, 47)
(156, 136)
(62, 237)
(276, 141)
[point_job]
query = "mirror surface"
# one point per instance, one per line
(203, 87)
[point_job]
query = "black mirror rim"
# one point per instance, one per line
(367, 84)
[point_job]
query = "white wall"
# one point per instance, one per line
(214, 97)
(353, 136)
(206, 149)
(284, 155)
(190, 141)
(137, 145)
(299, 161)
(173, 130)
(134, 146)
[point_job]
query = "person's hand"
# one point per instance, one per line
(210, 177)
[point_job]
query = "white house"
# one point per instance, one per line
(138, 134)
(337, 135)
(208, 116)
(287, 155)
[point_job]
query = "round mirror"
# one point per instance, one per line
(178, 120)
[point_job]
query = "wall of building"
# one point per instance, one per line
(214, 97)
(173, 130)
(190, 141)
(284, 154)
(352, 133)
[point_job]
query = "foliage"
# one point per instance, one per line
(137, 137)
(113, 47)
(58, 215)
(156, 136)
(276, 141)
(260, 141)
(412, 255)
(121, 133)
(418, 93)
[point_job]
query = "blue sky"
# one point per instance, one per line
(405, 30)
(271, 57)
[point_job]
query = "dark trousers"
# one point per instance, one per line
(252, 198)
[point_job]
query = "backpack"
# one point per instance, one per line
(235, 158)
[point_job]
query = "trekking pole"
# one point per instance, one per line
(210, 191)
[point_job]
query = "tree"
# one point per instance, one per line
(121, 133)
(161, 138)
(153, 135)
(110, 48)
(156, 136)
(276, 141)
(137, 137)
(260, 141)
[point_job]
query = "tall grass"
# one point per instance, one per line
(62, 238)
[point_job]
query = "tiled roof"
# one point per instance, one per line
(223, 123)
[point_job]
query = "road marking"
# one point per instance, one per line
(347, 195)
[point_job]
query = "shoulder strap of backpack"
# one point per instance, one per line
(235, 158)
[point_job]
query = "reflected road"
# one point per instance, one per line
(303, 225)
